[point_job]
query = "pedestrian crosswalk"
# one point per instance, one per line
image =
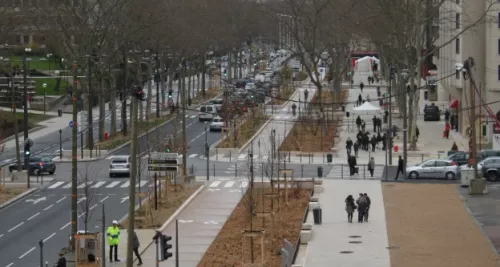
(342, 172)
(97, 184)
(228, 184)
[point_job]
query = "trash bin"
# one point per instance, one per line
(343, 108)
(378, 91)
(317, 214)
(59, 112)
(329, 158)
(320, 171)
(347, 114)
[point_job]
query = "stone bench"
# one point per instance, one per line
(305, 236)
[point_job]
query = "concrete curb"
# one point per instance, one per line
(56, 159)
(175, 214)
(18, 197)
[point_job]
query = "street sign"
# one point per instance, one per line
(29, 142)
(163, 156)
(70, 124)
(158, 168)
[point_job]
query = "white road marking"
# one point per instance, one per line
(49, 207)
(10, 264)
(142, 183)
(60, 199)
(38, 213)
(81, 199)
(229, 184)
(244, 184)
(27, 252)
(1, 235)
(93, 207)
(102, 200)
(192, 140)
(126, 184)
(242, 156)
(277, 117)
(113, 184)
(98, 184)
(50, 236)
(67, 186)
(84, 185)
(79, 216)
(14, 228)
(215, 184)
(192, 155)
(56, 185)
(66, 225)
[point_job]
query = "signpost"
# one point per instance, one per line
(167, 162)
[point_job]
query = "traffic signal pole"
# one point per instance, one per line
(133, 174)
(74, 163)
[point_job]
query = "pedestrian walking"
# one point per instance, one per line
(352, 165)
(350, 206)
(62, 260)
(400, 168)
(417, 132)
(358, 122)
(363, 126)
(374, 123)
(362, 205)
(356, 148)
(368, 204)
(374, 142)
(447, 116)
(361, 86)
(446, 133)
(454, 147)
(113, 234)
(136, 249)
(348, 146)
(360, 100)
(371, 166)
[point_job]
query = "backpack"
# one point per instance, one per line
(362, 201)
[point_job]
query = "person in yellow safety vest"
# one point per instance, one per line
(113, 234)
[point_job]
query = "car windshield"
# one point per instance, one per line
(119, 161)
(217, 120)
(46, 159)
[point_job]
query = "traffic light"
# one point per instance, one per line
(165, 246)
(27, 148)
(167, 149)
(225, 72)
(138, 93)
(170, 93)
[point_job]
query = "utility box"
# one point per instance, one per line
(317, 214)
(320, 171)
(329, 158)
(88, 250)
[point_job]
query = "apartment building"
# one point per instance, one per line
(482, 43)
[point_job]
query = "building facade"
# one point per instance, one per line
(470, 28)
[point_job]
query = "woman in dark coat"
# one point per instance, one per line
(350, 207)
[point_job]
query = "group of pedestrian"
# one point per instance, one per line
(377, 124)
(361, 124)
(371, 80)
(452, 119)
(362, 205)
(113, 234)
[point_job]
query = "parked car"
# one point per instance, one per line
(207, 112)
(432, 113)
(490, 168)
(434, 168)
(120, 165)
(459, 157)
(217, 124)
(37, 166)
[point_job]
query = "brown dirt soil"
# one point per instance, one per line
(9, 193)
(231, 249)
(285, 93)
(209, 94)
(246, 128)
(306, 136)
(432, 228)
(167, 205)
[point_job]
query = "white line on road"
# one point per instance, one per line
(126, 184)
(1, 235)
(215, 184)
(27, 252)
(192, 155)
(93, 207)
(141, 184)
(50, 236)
(14, 228)
(56, 185)
(38, 213)
(60, 199)
(81, 199)
(244, 184)
(10, 264)
(49, 207)
(98, 184)
(229, 184)
(81, 215)
(66, 225)
(102, 200)
(192, 140)
(111, 185)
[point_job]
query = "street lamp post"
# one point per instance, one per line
(44, 85)
(404, 75)
(48, 59)
(25, 100)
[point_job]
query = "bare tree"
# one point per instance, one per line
(85, 178)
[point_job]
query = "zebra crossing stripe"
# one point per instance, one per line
(56, 185)
(244, 184)
(142, 183)
(215, 184)
(67, 186)
(126, 184)
(113, 184)
(98, 184)
(83, 185)
(192, 155)
(229, 184)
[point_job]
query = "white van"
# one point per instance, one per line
(207, 112)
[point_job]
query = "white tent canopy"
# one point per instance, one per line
(367, 107)
(365, 64)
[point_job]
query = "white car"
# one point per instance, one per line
(207, 112)
(217, 124)
(120, 165)
(249, 86)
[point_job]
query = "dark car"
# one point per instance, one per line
(432, 113)
(459, 157)
(37, 165)
(490, 168)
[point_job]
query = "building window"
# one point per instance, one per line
(457, 45)
(457, 74)
(457, 21)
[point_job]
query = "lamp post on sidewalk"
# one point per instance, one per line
(44, 85)
(404, 75)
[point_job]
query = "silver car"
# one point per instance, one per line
(434, 168)
(217, 124)
(120, 165)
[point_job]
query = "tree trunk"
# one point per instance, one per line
(112, 104)
(203, 70)
(102, 109)
(139, 83)
(150, 89)
(410, 110)
(198, 84)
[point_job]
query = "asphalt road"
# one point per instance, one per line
(48, 220)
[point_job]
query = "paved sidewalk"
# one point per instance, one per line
(332, 239)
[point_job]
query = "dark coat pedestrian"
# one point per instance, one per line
(356, 148)
(446, 115)
(350, 207)
(362, 205)
(374, 142)
(358, 123)
(367, 210)
(401, 165)
(371, 166)
(62, 260)
(348, 146)
(417, 132)
(361, 86)
(360, 99)
(374, 123)
(136, 245)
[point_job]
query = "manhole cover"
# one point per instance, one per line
(354, 236)
(355, 242)
(346, 252)
(392, 247)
